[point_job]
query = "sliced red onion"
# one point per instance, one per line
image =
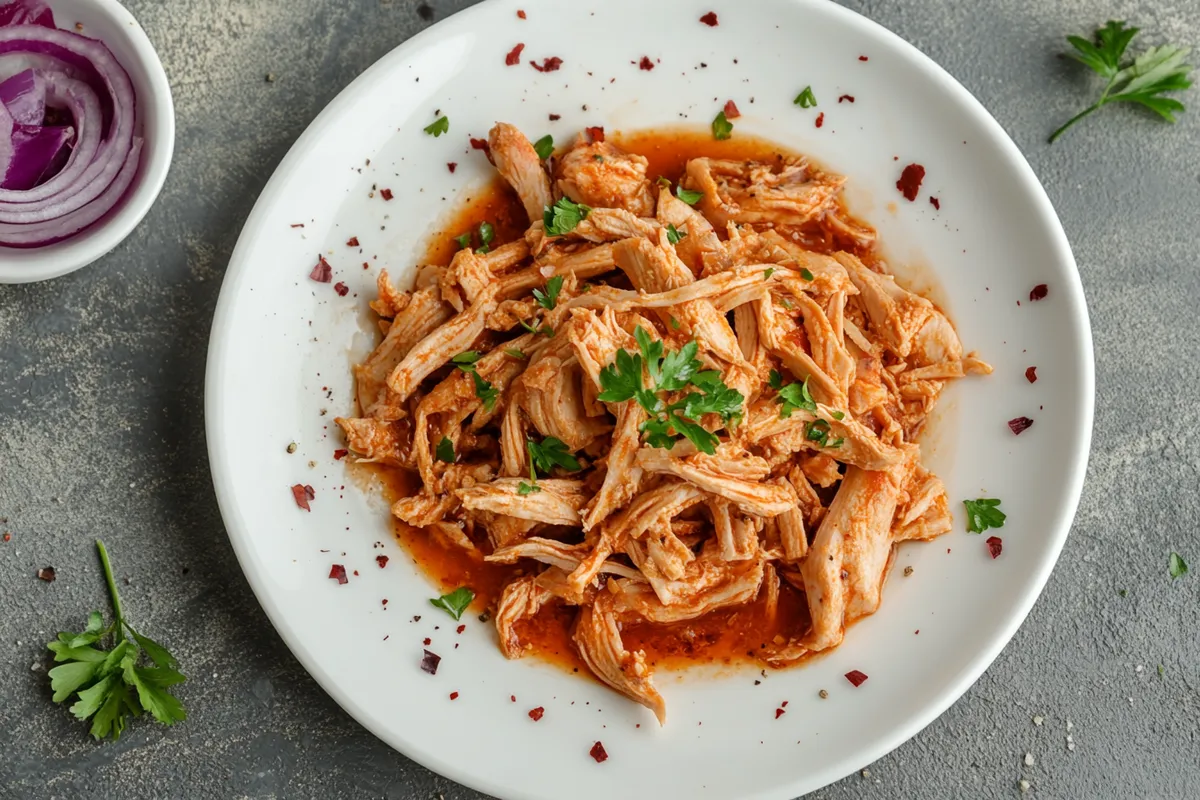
(57, 180)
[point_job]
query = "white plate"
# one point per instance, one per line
(282, 346)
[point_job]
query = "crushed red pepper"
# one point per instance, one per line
(646, 63)
(597, 752)
(849, 98)
(514, 56)
(341, 288)
(779, 712)
(910, 181)
(1020, 424)
(1031, 374)
(352, 241)
(482, 144)
(451, 165)
(1038, 292)
(995, 546)
(302, 493)
(322, 272)
(862, 58)
(855, 677)
(937, 204)
(536, 713)
(595, 133)
(454, 695)
(710, 19)
(338, 573)
(731, 110)
(386, 194)
(382, 561)
(820, 119)
(548, 64)
(520, 13)
(430, 661)
(340, 453)
(555, 117)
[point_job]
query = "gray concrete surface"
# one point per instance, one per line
(101, 433)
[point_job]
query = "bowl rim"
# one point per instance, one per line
(239, 531)
(18, 265)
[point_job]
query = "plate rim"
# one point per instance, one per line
(837, 769)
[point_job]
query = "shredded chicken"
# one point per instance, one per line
(651, 410)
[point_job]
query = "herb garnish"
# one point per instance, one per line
(1141, 81)
(549, 298)
(982, 514)
(722, 128)
(670, 371)
(445, 450)
(524, 488)
(1177, 566)
(438, 126)
(544, 147)
(464, 241)
(486, 234)
(466, 360)
(806, 99)
(806, 274)
(688, 196)
(564, 216)
(515, 353)
(673, 235)
(485, 391)
(454, 603)
(110, 685)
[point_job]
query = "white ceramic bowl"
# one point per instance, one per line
(282, 345)
(111, 23)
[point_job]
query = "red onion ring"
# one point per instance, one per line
(81, 76)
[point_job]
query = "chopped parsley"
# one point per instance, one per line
(564, 216)
(524, 488)
(485, 391)
(464, 241)
(445, 450)
(791, 396)
(544, 147)
(486, 234)
(515, 353)
(673, 235)
(466, 360)
(806, 99)
(722, 128)
(818, 431)
(549, 298)
(544, 457)
(663, 181)
(688, 196)
(1177, 566)
(768, 272)
(806, 274)
(982, 514)
(438, 126)
(545, 330)
(674, 324)
(454, 603)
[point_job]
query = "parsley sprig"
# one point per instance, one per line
(438, 126)
(110, 684)
(544, 457)
(1142, 80)
(483, 389)
(983, 513)
(670, 371)
(454, 603)
(549, 298)
(564, 216)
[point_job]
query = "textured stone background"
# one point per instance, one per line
(101, 433)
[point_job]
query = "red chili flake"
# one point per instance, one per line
(849, 98)
(386, 194)
(597, 752)
(855, 677)
(1019, 424)
(937, 204)
(555, 117)
(460, 629)
(710, 19)
(341, 288)
(820, 119)
(381, 561)
(514, 56)
(302, 495)
(646, 63)
(779, 712)
(352, 241)
(338, 455)
(1038, 292)
(995, 546)
(47, 574)
(427, 641)
(430, 661)
(512, 697)
(862, 58)
(384, 599)
(537, 713)
(548, 64)
(783, 704)
(1031, 374)
(520, 14)
(451, 165)
(338, 573)
(297, 224)
(482, 144)
(731, 110)
(454, 695)
(910, 181)
(322, 272)
(7, 536)
(595, 133)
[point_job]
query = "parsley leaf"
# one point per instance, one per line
(485, 391)
(454, 603)
(806, 99)
(696, 433)
(806, 273)
(438, 126)
(663, 181)
(464, 241)
(466, 360)
(515, 353)
(549, 298)
(1177, 566)
(102, 680)
(982, 514)
(445, 450)
(524, 488)
(673, 235)
(1142, 81)
(768, 272)
(544, 147)
(817, 431)
(545, 330)
(722, 128)
(486, 234)
(792, 396)
(677, 368)
(564, 216)
(551, 453)
(688, 196)
(674, 324)
(622, 379)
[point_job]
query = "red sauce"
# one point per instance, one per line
(726, 637)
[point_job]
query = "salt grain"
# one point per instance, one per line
(1037, 720)
(1029, 759)
(1025, 786)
